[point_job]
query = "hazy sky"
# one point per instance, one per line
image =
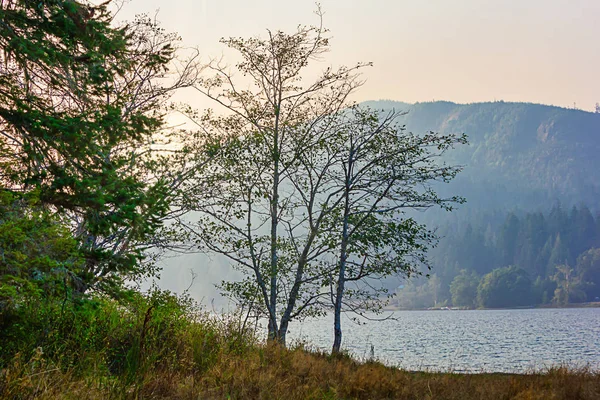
(542, 51)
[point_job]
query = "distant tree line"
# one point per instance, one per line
(528, 259)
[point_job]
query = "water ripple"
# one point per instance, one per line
(470, 341)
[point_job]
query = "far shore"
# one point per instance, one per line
(592, 304)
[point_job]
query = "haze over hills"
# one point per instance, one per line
(532, 187)
(520, 155)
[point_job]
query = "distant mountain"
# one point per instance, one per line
(520, 155)
(532, 182)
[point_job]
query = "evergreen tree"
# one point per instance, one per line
(508, 239)
(588, 269)
(532, 236)
(558, 221)
(543, 257)
(583, 230)
(37, 251)
(558, 256)
(80, 107)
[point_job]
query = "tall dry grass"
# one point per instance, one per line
(160, 348)
(272, 372)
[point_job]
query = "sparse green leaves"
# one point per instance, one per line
(290, 162)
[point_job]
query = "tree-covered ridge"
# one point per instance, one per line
(528, 258)
(519, 154)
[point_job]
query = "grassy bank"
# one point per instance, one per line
(162, 347)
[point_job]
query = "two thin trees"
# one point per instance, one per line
(304, 192)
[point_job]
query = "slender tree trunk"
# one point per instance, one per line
(273, 331)
(339, 295)
(273, 267)
(293, 296)
(281, 336)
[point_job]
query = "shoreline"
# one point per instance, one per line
(594, 304)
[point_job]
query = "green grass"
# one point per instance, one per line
(159, 346)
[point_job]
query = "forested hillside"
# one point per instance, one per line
(519, 155)
(529, 258)
(532, 187)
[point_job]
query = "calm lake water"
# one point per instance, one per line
(469, 341)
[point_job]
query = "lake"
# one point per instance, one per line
(470, 340)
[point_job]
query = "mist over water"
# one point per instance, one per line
(469, 341)
(197, 275)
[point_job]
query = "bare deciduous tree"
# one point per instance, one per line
(245, 205)
(378, 172)
(304, 191)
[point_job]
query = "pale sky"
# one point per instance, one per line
(541, 51)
